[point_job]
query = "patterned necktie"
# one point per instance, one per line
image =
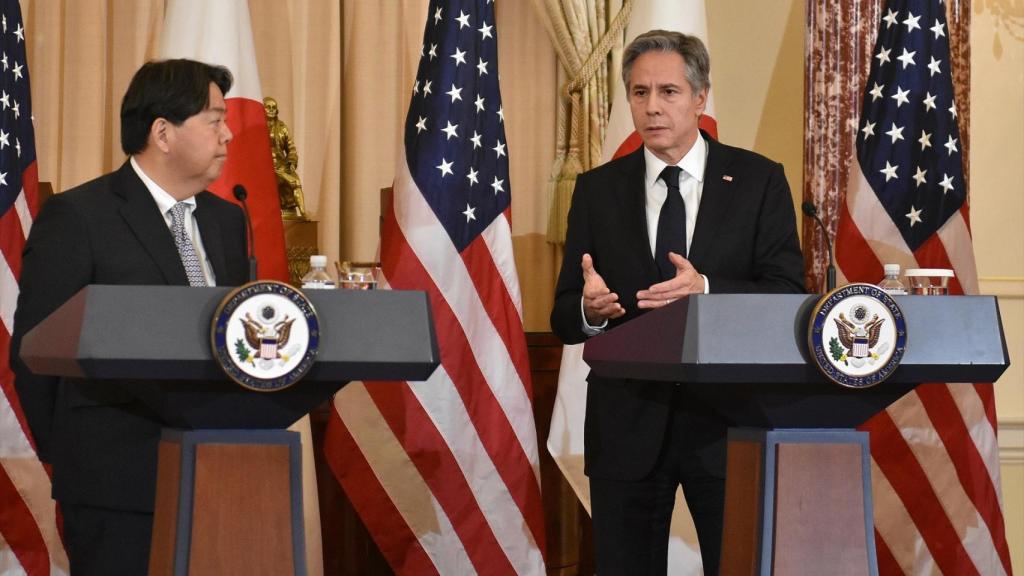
(671, 224)
(186, 249)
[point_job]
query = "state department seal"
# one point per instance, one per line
(857, 335)
(265, 335)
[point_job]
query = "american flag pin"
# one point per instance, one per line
(727, 178)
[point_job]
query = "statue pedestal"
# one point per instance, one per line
(300, 240)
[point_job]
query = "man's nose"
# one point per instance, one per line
(226, 134)
(653, 105)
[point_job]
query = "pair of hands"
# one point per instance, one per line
(600, 303)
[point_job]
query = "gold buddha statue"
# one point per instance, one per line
(286, 163)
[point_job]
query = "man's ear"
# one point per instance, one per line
(702, 101)
(160, 134)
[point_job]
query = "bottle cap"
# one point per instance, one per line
(318, 261)
(891, 269)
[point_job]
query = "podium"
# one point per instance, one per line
(798, 485)
(229, 491)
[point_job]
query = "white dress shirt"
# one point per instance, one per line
(691, 187)
(165, 202)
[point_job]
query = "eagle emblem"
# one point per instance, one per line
(265, 335)
(857, 335)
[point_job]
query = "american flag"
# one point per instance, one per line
(444, 473)
(29, 543)
(935, 457)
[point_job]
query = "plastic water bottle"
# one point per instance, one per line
(891, 283)
(317, 278)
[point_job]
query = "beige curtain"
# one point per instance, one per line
(341, 72)
(83, 53)
(584, 33)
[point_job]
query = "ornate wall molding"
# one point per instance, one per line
(1002, 286)
(1011, 441)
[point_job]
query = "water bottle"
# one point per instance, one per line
(891, 283)
(317, 278)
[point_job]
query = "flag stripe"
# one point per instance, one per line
(502, 313)
(444, 276)
(20, 530)
(896, 530)
(349, 464)
(924, 439)
(968, 463)
(883, 238)
(441, 469)
(986, 392)
(16, 441)
(933, 252)
(498, 237)
(854, 257)
(30, 193)
(492, 266)
(972, 406)
(14, 226)
(11, 243)
(490, 421)
(887, 563)
(956, 239)
(904, 473)
(32, 481)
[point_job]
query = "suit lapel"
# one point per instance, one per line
(209, 230)
(715, 199)
(631, 191)
(140, 212)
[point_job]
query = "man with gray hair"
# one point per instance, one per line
(682, 215)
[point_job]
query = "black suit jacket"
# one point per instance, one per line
(745, 240)
(101, 440)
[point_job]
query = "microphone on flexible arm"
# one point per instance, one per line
(241, 195)
(830, 275)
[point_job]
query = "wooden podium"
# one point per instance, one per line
(798, 484)
(229, 490)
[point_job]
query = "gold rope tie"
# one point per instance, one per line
(597, 56)
(571, 164)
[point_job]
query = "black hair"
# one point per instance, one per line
(174, 90)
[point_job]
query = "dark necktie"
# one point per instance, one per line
(671, 224)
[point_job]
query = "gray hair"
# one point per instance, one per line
(695, 55)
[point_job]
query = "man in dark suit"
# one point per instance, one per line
(150, 222)
(682, 215)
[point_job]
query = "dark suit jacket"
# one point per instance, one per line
(745, 240)
(101, 440)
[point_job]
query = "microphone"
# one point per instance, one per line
(830, 276)
(241, 195)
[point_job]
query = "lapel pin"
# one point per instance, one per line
(727, 178)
